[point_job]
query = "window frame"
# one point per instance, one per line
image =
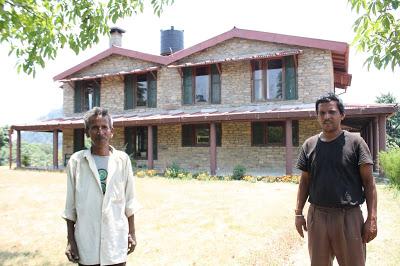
(264, 74)
(85, 87)
(133, 79)
(193, 70)
(192, 128)
(265, 132)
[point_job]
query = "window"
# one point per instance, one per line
(274, 79)
(136, 142)
(79, 139)
(273, 133)
(86, 95)
(140, 90)
(201, 84)
(199, 135)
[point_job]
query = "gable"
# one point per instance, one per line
(113, 64)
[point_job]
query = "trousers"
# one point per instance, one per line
(335, 232)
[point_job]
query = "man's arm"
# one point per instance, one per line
(72, 249)
(370, 226)
(302, 195)
(131, 235)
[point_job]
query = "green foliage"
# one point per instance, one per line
(238, 172)
(4, 145)
(393, 123)
(390, 162)
(378, 31)
(173, 171)
(35, 30)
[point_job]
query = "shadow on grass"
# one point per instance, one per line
(22, 258)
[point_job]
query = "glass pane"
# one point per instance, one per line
(295, 133)
(187, 136)
(141, 93)
(274, 79)
(215, 85)
(258, 90)
(290, 79)
(275, 134)
(258, 133)
(202, 84)
(202, 135)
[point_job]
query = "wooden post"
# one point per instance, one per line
(18, 159)
(376, 143)
(150, 162)
(289, 147)
(382, 138)
(371, 137)
(55, 149)
(213, 149)
(10, 132)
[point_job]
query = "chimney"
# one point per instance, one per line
(116, 36)
(171, 41)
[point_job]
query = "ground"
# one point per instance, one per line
(181, 223)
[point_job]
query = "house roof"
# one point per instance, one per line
(340, 50)
(242, 113)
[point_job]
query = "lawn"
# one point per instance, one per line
(182, 223)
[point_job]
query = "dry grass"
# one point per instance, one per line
(182, 223)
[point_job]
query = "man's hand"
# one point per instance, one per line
(72, 251)
(131, 243)
(369, 230)
(300, 223)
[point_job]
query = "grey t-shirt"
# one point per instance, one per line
(102, 168)
(334, 169)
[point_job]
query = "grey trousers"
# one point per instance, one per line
(335, 232)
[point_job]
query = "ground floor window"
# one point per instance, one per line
(273, 133)
(199, 135)
(136, 142)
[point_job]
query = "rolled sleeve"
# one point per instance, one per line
(69, 212)
(131, 204)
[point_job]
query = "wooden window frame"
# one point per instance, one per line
(148, 74)
(264, 69)
(265, 136)
(193, 136)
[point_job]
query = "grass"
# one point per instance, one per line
(183, 222)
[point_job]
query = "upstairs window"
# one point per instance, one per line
(273, 133)
(86, 95)
(274, 79)
(140, 90)
(198, 135)
(201, 84)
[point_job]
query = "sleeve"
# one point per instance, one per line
(70, 210)
(131, 204)
(302, 160)
(364, 155)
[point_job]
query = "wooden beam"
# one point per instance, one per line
(376, 143)
(219, 68)
(213, 149)
(289, 147)
(150, 161)
(18, 159)
(55, 149)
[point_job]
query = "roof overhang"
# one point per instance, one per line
(248, 113)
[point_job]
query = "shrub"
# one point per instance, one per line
(26, 160)
(390, 162)
(175, 171)
(249, 178)
(203, 176)
(146, 173)
(238, 172)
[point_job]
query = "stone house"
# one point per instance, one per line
(241, 98)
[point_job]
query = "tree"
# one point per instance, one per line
(35, 30)
(393, 123)
(378, 31)
(3, 145)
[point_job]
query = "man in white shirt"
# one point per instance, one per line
(100, 202)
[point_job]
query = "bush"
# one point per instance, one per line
(390, 162)
(175, 171)
(238, 172)
(146, 173)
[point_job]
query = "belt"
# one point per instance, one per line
(333, 208)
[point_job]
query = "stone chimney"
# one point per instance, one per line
(116, 36)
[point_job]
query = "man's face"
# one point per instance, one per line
(99, 131)
(329, 116)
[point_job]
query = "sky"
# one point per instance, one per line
(25, 99)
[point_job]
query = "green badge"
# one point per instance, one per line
(103, 178)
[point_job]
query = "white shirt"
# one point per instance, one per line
(101, 221)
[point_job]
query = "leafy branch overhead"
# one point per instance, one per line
(35, 30)
(378, 31)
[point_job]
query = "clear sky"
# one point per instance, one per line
(24, 99)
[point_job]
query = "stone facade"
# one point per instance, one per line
(314, 77)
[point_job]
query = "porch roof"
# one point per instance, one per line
(206, 115)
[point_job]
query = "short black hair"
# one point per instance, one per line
(330, 97)
(97, 111)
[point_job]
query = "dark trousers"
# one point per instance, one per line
(335, 232)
